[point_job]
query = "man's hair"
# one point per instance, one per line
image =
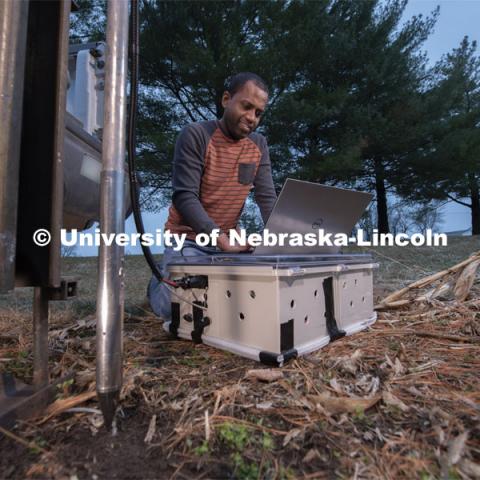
(234, 83)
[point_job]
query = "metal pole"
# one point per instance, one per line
(54, 277)
(13, 37)
(112, 220)
(40, 337)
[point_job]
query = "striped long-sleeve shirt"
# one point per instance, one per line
(212, 176)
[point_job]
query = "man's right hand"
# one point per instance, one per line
(223, 244)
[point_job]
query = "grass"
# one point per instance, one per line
(259, 430)
(398, 266)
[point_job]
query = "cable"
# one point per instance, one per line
(132, 120)
(174, 293)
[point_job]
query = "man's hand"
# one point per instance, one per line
(223, 244)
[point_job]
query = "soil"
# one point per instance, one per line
(208, 418)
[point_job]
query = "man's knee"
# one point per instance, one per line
(158, 293)
(159, 298)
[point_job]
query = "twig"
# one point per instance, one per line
(61, 405)
(453, 338)
(84, 410)
(392, 305)
(20, 440)
(427, 280)
(307, 378)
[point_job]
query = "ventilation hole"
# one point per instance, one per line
(305, 320)
(363, 299)
(315, 293)
(351, 303)
(355, 281)
(241, 316)
(228, 293)
(292, 304)
(344, 285)
(252, 294)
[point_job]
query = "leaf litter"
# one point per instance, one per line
(400, 400)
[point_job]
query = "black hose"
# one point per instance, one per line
(132, 121)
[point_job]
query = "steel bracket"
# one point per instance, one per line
(66, 290)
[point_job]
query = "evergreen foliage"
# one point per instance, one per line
(352, 100)
(448, 164)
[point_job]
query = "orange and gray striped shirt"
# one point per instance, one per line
(212, 177)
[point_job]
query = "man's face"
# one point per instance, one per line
(243, 110)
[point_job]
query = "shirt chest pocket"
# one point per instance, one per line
(246, 173)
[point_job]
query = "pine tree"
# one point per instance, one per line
(448, 165)
(354, 110)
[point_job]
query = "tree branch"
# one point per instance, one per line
(458, 201)
(151, 193)
(177, 95)
(193, 98)
(181, 89)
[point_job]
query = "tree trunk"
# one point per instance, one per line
(382, 208)
(475, 198)
(218, 106)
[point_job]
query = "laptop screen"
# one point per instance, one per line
(305, 207)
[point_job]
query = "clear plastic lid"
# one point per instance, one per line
(278, 261)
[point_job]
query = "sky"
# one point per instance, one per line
(457, 18)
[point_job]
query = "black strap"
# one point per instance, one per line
(175, 323)
(199, 322)
(332, 327)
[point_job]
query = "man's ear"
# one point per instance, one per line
(225, 99)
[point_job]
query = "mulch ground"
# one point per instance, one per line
(401, 400)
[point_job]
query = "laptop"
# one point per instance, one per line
(305, 207)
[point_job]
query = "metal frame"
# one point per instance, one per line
(17, 399)
(33, 83)
(13, 38)
(35, 156)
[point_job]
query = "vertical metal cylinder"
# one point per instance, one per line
(59, 142)
(112, 220)
(13, 35)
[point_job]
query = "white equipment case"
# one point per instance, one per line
(272, 308)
